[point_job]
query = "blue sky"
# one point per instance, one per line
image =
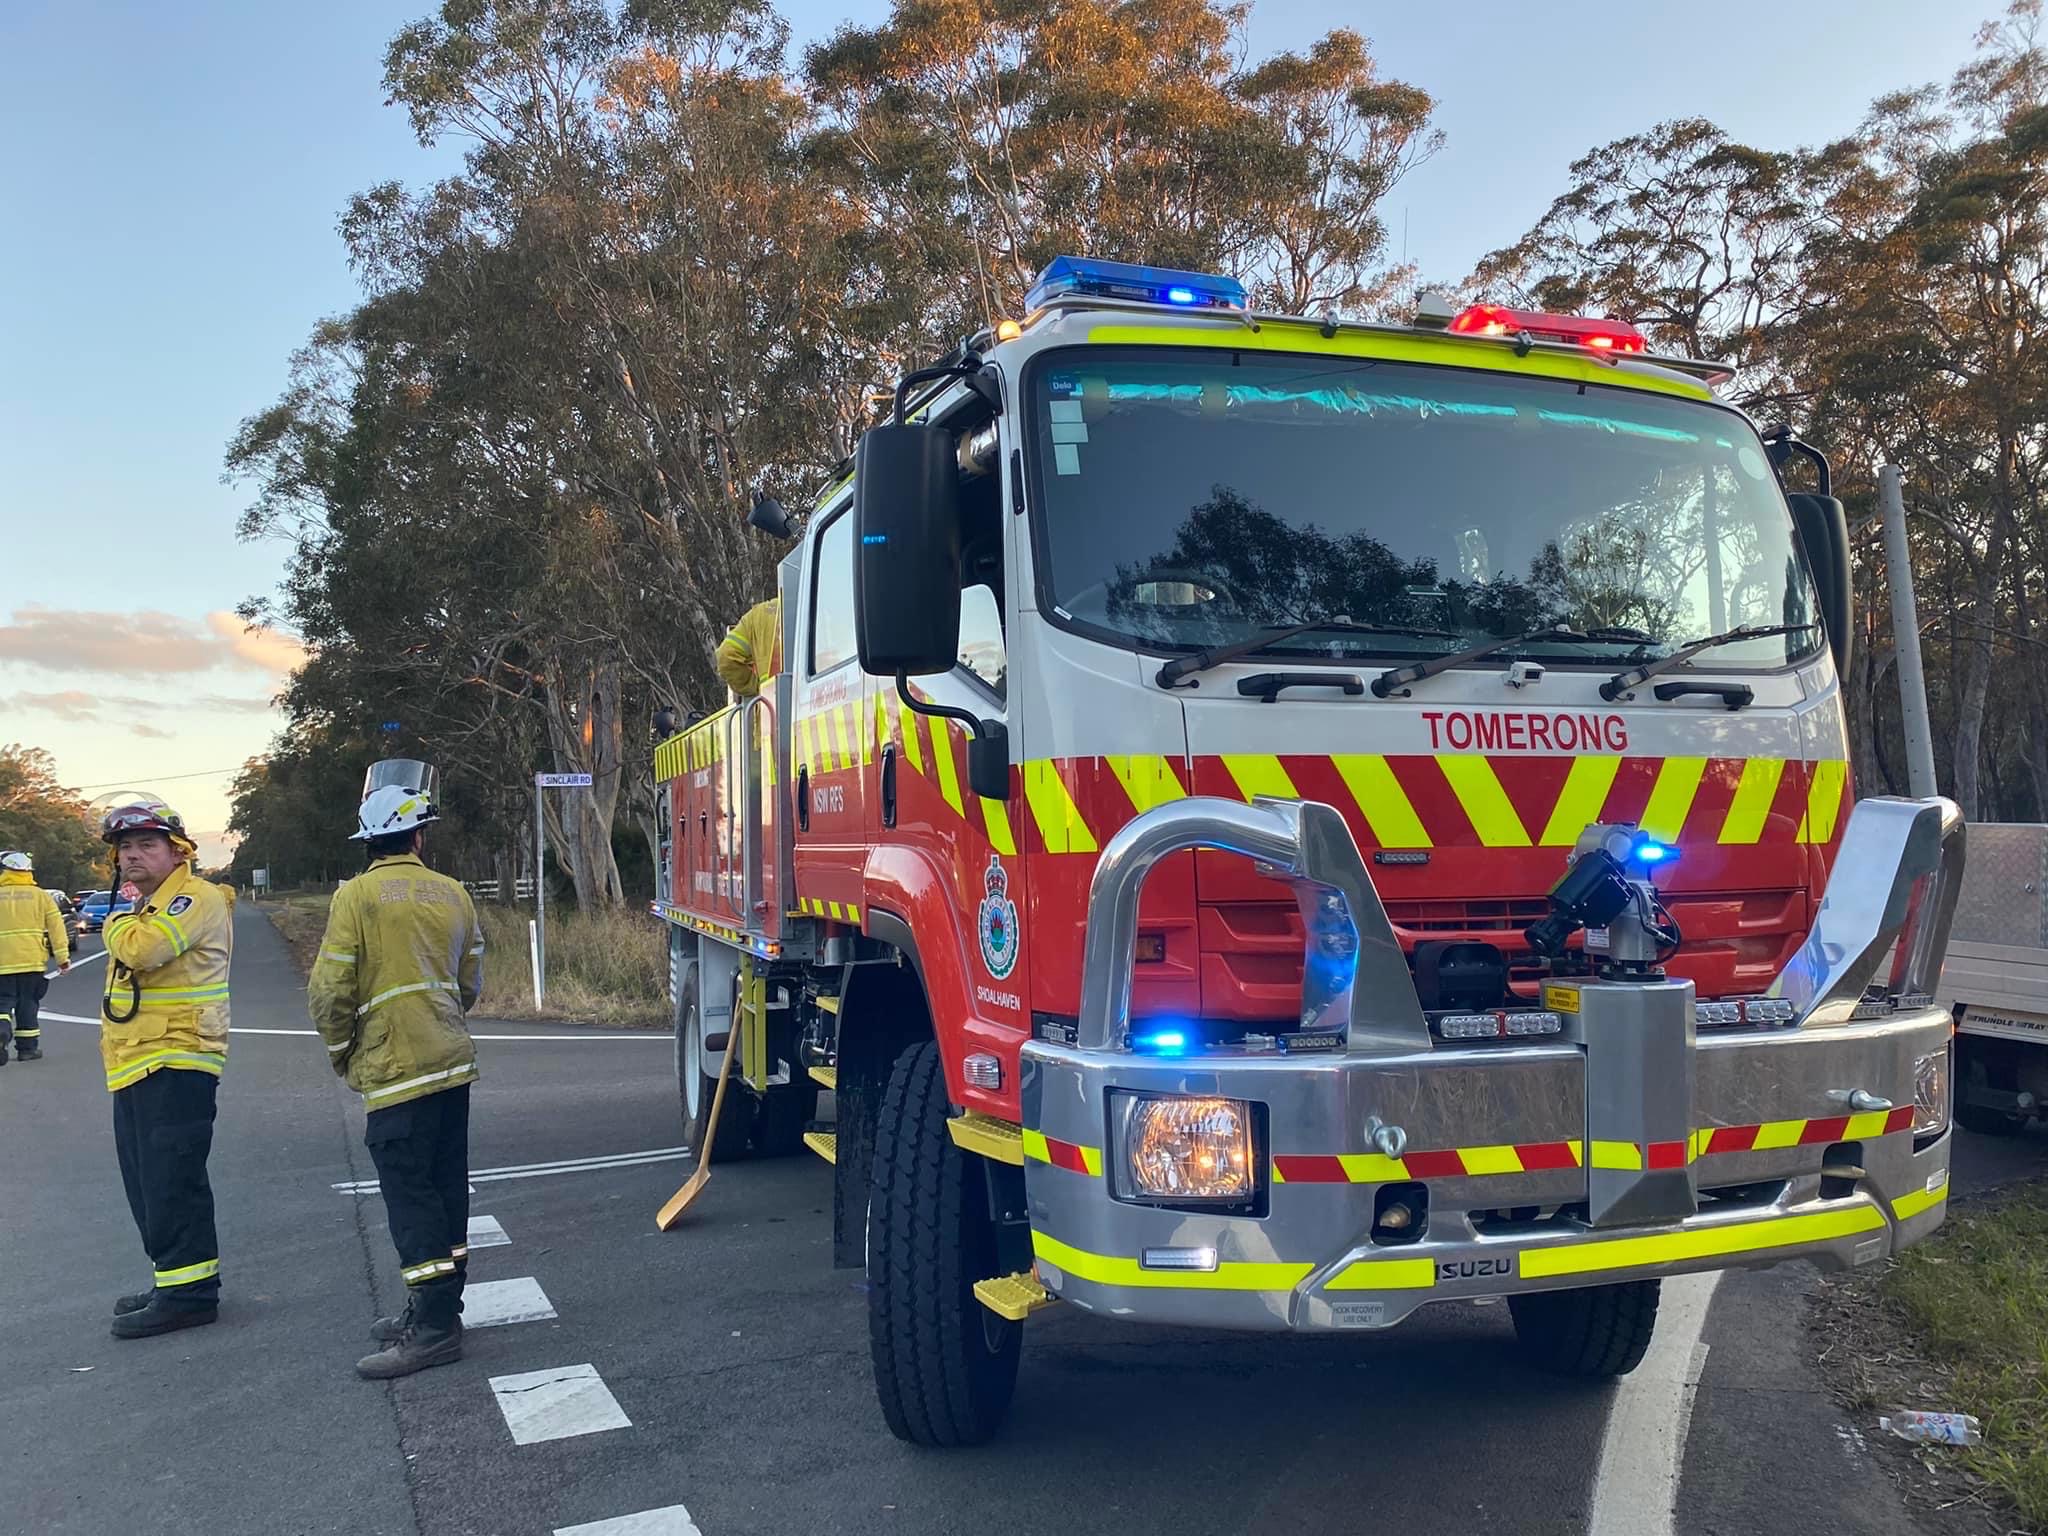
(172, 179)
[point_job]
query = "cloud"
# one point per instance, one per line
(147, 644)
(75, 705)
(69, 705)
(150, 731)
(257, 645)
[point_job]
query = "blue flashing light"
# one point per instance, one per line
(1648, 850)
(1126, 280)
(1162, 1042)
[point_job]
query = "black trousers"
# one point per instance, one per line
(163, 1130)
(21, 993)
(421, 1150)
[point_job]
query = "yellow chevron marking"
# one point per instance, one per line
(942, 757)
(1579, 802)
(1678, 780)
(1477, 787)
(1777, 1134)
(844, 738)
(1053, 809)
(834, 908)
(1490, 1159)
(1148, 780)
(1751, 807)
(1381, 800)
(996, 820)
(1371, 1167)
(1259, 773)
(1823, 800)
(913, 747)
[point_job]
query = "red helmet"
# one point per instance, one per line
(143, 816)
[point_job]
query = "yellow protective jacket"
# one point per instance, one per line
(167, 968)
(31, 927)
(752, 653)
(400, 964)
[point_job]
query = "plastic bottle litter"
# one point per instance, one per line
(1934, 1428)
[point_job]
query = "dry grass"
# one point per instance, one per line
(606, 969)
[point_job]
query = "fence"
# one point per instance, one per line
(487, 890)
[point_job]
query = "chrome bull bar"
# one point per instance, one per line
(1310, 1256)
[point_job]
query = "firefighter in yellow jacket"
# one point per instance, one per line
(752, 653)
(164, 1040)
(400, 964)
(31, 934)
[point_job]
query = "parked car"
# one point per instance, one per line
(74, 920)
(93, 910)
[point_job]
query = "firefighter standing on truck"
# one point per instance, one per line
(752, 653)
(164, 1040)
(400, 964)
(31, 928)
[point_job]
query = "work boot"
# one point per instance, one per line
(3, 1055)
(134, 1302)
(388, 1330)
(29, 1052)
(418, 1348)
(156, 1316)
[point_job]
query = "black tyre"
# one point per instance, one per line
(1596, 1332)
(945, 1366)
(1988, 1122)
(785, 1114)
(695, 1090)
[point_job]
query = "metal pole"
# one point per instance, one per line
(540, 902)
(1906, 634)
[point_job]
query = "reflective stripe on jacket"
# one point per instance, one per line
(400, 964)
(168, 961)
(31, 927)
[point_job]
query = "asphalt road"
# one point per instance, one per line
(733, 1361)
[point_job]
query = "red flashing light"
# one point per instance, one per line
(1613, 337)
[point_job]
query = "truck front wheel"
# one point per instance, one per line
(945, 1366)
(1597, 1332)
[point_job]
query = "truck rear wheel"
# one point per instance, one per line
(696, 1090)
(945, 1366)
(1600, 1331)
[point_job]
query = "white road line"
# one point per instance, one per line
(1636, 1490)
(485, 1232)
(553, 1405)
(493, 1303)
(541, 1170)
(673, 1521)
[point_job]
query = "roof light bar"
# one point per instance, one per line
(1164, 286)
(1613, 337)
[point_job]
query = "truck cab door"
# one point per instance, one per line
(833, 751)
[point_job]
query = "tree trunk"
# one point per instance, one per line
(584, 731)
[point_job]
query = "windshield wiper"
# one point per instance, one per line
(1397, 679)
(1200, 661)
(1635, 677)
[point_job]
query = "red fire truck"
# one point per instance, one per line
(1271, 822)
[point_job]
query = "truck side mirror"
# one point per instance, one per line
(1824, 530)
(906, 562)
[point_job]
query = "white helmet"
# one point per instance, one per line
(13, 860)
(391, 810)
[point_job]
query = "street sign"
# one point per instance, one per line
(561, 781)
(130, 890)
(259, 878)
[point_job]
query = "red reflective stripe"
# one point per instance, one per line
(1433, 1165)
(1900, 1119)
(1823, 1130)
(1666, 1154)
(1733, 1138)
(1311, 1170)
(1545, 1156)
(1064, 1154)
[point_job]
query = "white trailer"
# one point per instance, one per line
(1996, 977)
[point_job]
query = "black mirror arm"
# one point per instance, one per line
(969, 368)
(988, 752)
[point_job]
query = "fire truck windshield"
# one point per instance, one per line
(1195, 499)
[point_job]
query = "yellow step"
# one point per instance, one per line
(1015, 1297)
(829, 1004)
(989, 1137)
(829, 1076)
(824, 1143)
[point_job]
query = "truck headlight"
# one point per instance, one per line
(1177, 1149)
(1930, 1093)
